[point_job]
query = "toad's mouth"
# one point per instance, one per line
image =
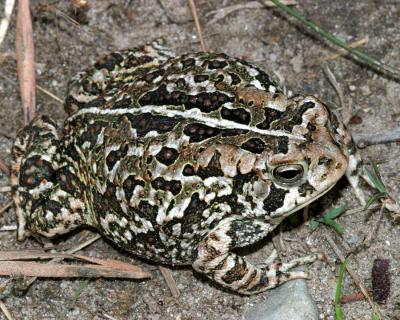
(310, 200)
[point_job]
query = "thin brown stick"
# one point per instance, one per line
(4, 168)
(25, 60)
(197, 24)
(353, 275)
(169, 279)
(5, 311)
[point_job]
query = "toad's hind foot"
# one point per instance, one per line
(44, 190)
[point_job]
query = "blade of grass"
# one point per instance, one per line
(374, 198)
(381, 185)
(335, 212)
(356, 54)
(338, 228)
(338, 293)
(313, 224)
(375, 180)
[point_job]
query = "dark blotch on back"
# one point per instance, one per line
(233, 132)
(235, 78)
(116, 155)
(270, 116)
(174, 186)
(149, 77)
(124, 103)
(205, 101)
(254, 145)
(188, 63)
(146, 122)
(239, 115)
(297, 119)
(198, 132)
(188, 170)
(275, 199)
(130, 184)
(133, 61)
(215, 64)
(200, 77)
(91, 133)
(167, 155)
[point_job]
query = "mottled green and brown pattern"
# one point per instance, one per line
(180, 160)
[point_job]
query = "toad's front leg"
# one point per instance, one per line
(215, 259)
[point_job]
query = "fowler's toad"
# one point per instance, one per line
(180, 160)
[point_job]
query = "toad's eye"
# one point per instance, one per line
(288, 174)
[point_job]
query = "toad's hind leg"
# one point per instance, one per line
(215, 260)
(44, 191)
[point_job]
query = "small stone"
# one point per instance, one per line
(353, 239)
(290, 301)
(297, 63)
(352, 88)
(365, 90)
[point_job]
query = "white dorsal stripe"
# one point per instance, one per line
(192, 114)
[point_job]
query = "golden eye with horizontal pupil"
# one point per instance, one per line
(288, 174)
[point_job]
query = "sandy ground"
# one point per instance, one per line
(274, 42)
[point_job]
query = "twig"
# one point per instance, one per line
(4, 168)
(359, 209)
(353, 275)
(5, 311)
(370, 138)
(197, 24)
(25, 60)
(372, 233)
(45, 91)
(341, 52)
(8, 228)
(346, 109)
(56, 270)
(5, 22)
(169, 279)
(73, 250)
(5, 189)
(356, 54)
(223, 12)
(51, 95)
(358, 296)
(6, 207)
